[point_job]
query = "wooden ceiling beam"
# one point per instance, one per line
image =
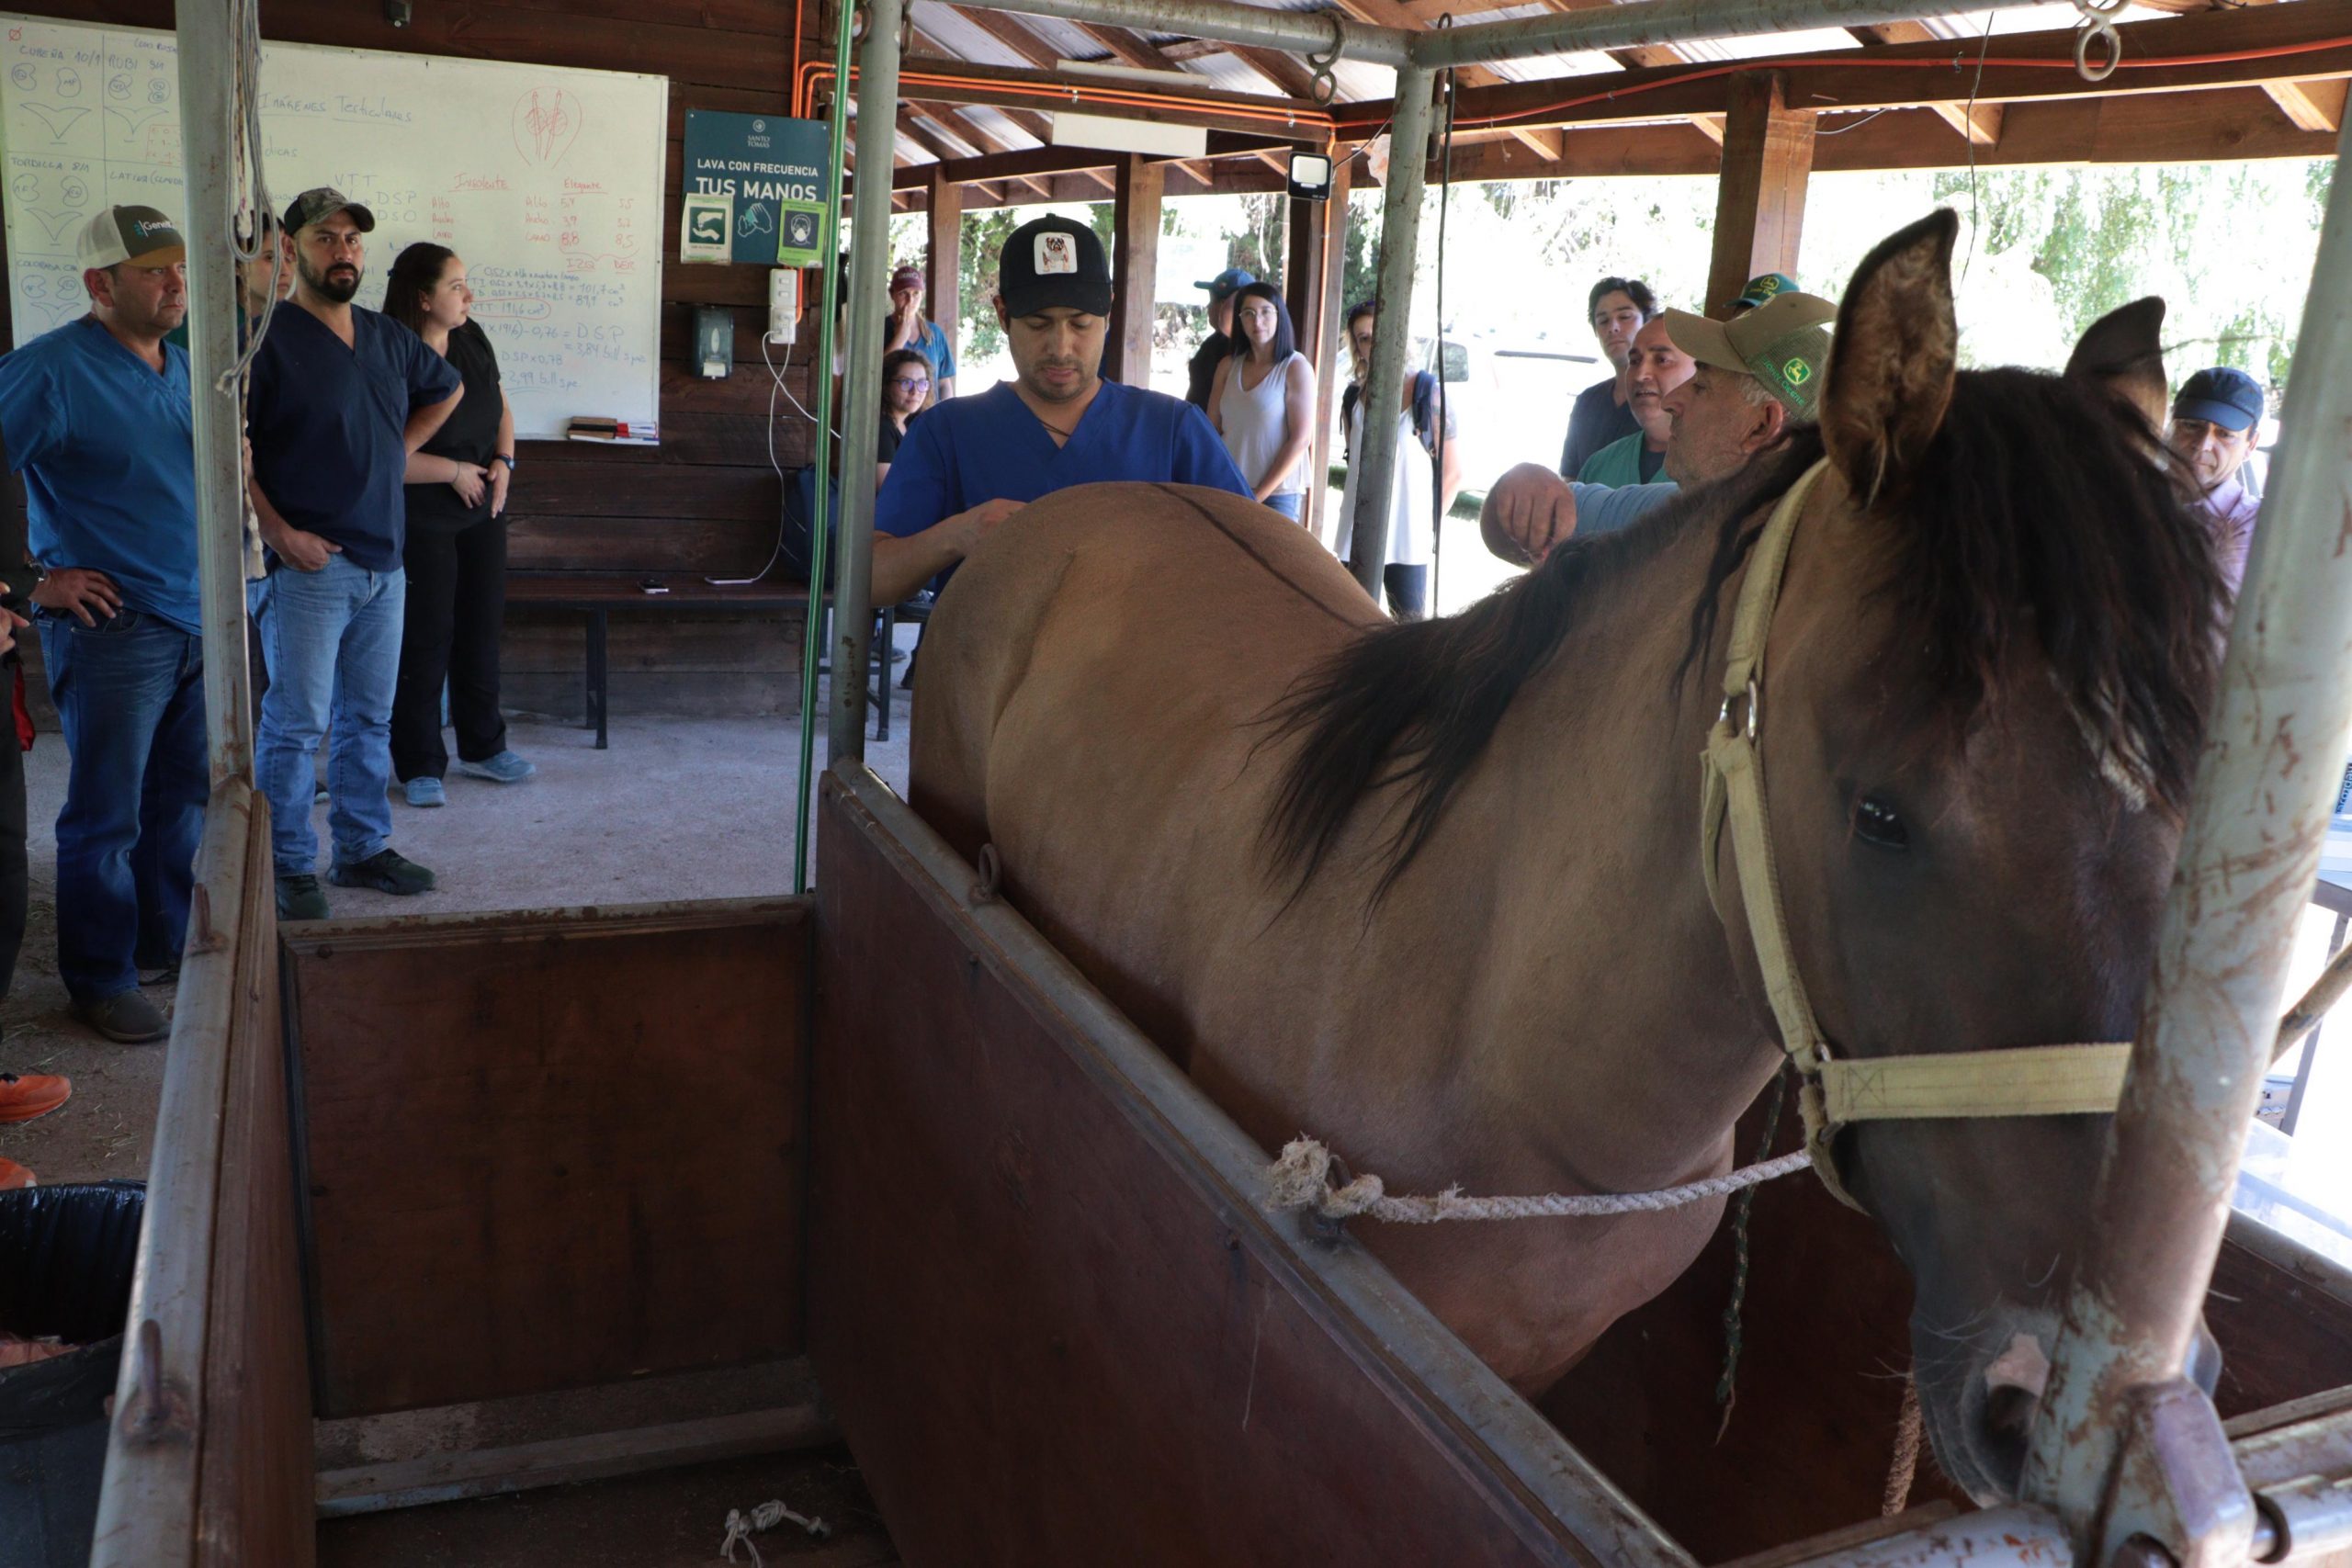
(1129, 46)
(2309, 106)
(1980, 122)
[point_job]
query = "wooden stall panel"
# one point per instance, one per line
(1054, 1335)
(1826, 1336)
(549, 1150)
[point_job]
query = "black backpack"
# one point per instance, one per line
(1424, 410)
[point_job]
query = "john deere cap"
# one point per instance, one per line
(1780, 342)
(326, 201)
(131, 236)
(1050, 262)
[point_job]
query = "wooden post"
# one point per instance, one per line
(1134, 269)
(1760, 202)
(1319, 259)
(942, 302)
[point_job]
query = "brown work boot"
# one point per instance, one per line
(34, 1094)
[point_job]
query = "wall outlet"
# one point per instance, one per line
(784, 303)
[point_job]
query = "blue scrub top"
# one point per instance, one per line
(327, 426)
(106, 445)
(991, 447)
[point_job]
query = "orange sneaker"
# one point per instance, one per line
(34, 1094)
(13, 1174)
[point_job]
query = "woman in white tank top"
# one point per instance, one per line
(1262, 401)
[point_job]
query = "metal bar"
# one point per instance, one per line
(209, 45)
(2323, 994)
(1392, 333)
(2265, 786)
(1301, 32)
(1648, 22)
(812, 637)
(869, 259)
(2026, 1537)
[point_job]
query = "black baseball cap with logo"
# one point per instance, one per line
(131, 236)
(326, 201)
(1052, 263)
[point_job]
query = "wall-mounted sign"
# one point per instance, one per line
(770, 173)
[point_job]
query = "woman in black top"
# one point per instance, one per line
(906, 384)
(456, 553)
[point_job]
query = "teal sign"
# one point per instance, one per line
(767, 173)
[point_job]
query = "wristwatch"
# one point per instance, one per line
(505, 457)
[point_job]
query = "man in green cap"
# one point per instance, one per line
(1756, 375)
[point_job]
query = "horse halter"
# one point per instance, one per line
(2027, 1080)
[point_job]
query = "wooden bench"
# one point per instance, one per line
(597, 595)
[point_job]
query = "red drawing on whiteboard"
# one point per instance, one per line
(547, 119)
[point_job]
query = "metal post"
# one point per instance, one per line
(1392, 333)
(1303, 32)
(812, 639)
(869, 260)
(1647, 22)
(2265, 786)
(207, 48)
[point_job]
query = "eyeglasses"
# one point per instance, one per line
(918, 386)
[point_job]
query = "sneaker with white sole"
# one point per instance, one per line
(505, 768)
(424, 790)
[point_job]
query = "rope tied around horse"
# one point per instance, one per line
(1302, 1179)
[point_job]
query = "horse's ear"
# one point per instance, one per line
(2123, 352)
(1897, 348)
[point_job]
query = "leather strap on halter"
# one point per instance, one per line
(2032, 1081)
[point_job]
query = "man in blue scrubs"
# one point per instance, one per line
(968, 465)
(340, 396)
(96, 416)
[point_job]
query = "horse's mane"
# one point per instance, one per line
(2033, 521)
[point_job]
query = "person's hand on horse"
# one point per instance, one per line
(980, 522)
(1530, 511)
(81, 591)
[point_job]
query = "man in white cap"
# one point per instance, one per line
(1754, 376)
(341, 398)
(96, 415)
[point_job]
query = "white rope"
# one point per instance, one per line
(1301, 1180)
(766, 1517)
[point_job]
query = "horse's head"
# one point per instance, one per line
(1986, 680)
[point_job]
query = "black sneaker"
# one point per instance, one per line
(127, 1018)
(300, 898)
(386, 870)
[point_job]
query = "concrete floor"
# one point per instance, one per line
(675, 808)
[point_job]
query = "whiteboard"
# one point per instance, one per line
(547, 182)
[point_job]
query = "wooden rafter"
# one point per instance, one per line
(1129, 46)
(1015, 34)
(968, 126)
(2309, 106)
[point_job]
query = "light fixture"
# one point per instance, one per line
(1310, 176)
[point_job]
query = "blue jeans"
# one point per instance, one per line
(130, 693)
(1291, 504)
(331, 641)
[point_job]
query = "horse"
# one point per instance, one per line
(1432, 892)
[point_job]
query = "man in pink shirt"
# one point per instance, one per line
(2214, 421)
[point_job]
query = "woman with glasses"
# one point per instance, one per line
(906, 385)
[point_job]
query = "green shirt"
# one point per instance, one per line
(1625, 461)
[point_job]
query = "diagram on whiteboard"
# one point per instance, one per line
(541, 178)
(546, 120)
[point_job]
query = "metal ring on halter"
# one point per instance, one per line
(2098, 28)
(1322, 85)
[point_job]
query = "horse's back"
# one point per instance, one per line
(1109, 646)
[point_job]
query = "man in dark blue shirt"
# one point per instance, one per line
(968, 465)
(340, 396)
(96, 415)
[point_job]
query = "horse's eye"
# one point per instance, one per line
(1876, 822)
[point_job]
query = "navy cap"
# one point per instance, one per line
(2231, 399)
(1226, 283)
(1053, 262)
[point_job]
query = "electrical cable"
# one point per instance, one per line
(1968, 115)
(776, 374)
(1437, 453)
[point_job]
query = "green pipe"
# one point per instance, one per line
(820, 381)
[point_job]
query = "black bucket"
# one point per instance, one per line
(66, 1258)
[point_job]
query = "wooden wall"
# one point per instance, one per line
(706, 501)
